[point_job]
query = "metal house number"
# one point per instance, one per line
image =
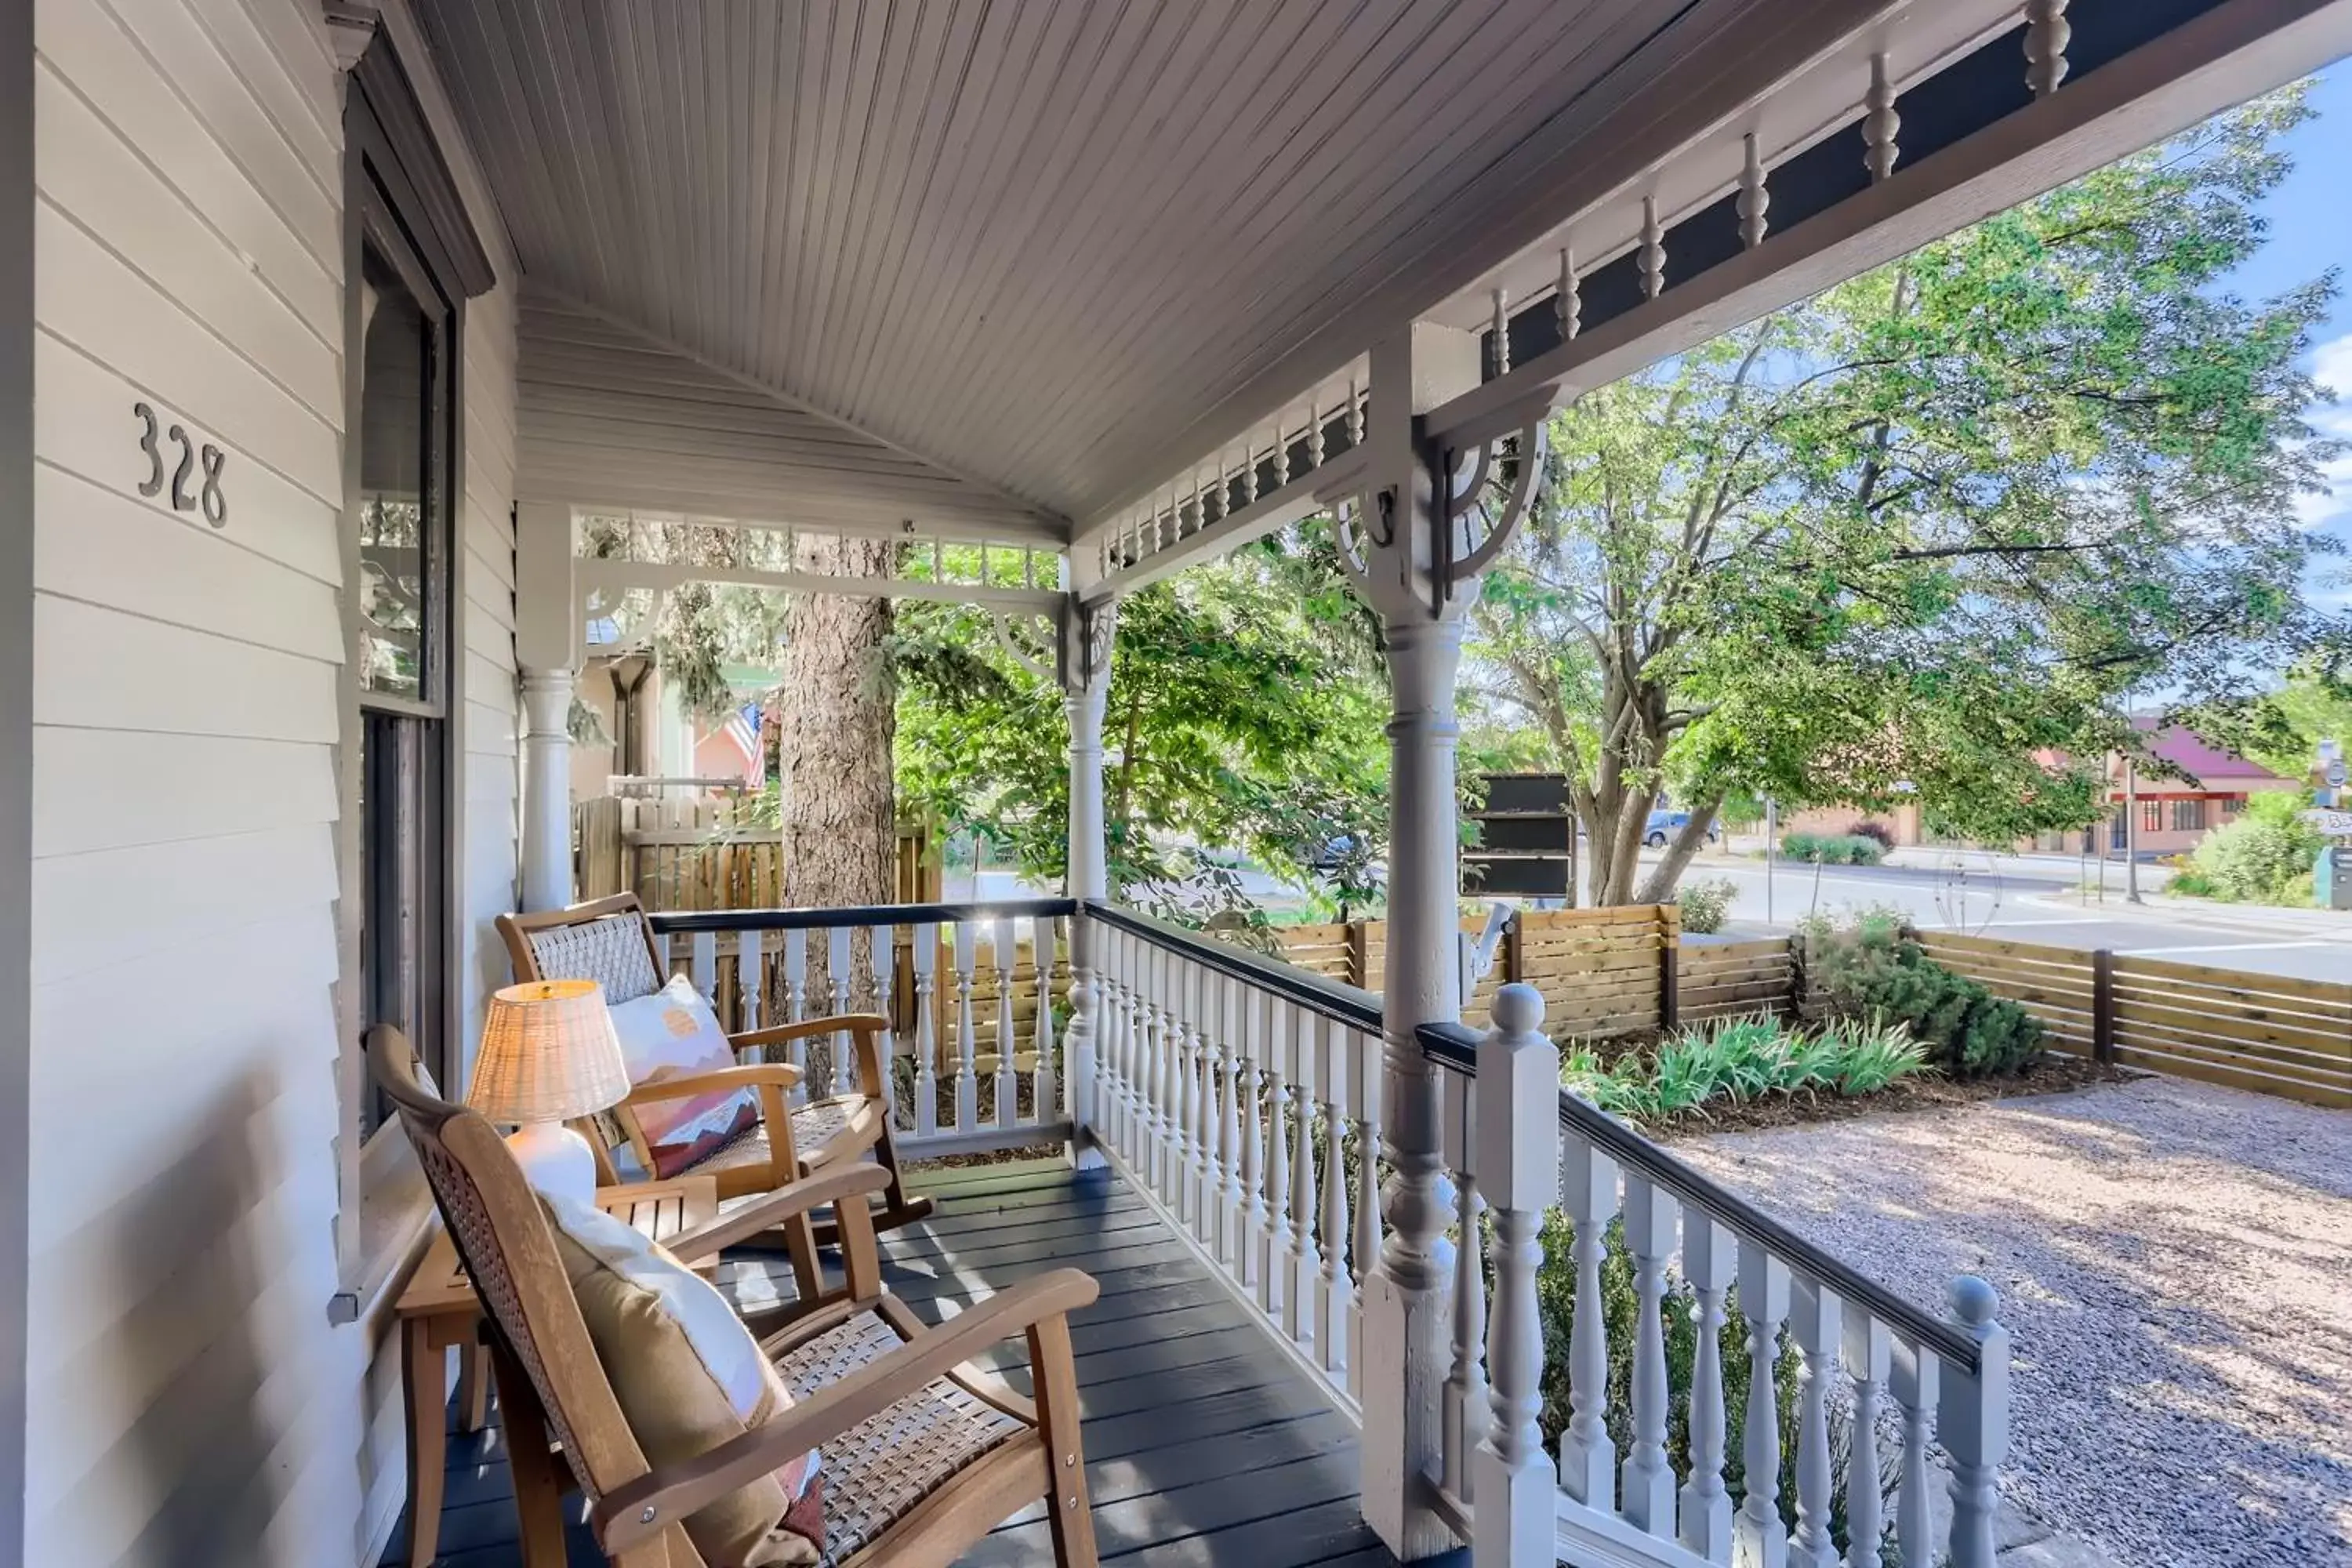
(198, 465)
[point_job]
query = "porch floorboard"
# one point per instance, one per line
(1205, 1448)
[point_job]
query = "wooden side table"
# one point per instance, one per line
(439, 1312)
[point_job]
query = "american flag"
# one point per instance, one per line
(744, 728)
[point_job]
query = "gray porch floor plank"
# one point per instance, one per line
(1205, 1448)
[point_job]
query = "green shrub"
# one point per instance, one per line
(2261, 858)
(1704, 903)
(1878, 973)
(1834, 848)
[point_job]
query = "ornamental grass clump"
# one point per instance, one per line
(1741, 1060)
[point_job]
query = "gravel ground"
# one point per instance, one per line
(2175, 1268)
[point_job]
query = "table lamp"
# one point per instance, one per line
(549, 1054)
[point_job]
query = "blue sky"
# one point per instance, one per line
(2311, 231)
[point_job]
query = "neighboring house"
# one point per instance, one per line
(2191, 787)
(1903, 823)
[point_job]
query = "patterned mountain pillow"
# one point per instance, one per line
(669, 1034)
(688, 1376)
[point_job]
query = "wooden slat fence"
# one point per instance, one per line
(2269, 1032)
(703, 852)
(1720, 979)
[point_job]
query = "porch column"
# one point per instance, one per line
(546, 788)
(547, 646)
(1085, 670)
(1415, 551)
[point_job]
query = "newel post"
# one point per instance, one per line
(1083, 648)
(1414, 540)
(547, 641)
(1972, 1423)
(1515, 1152)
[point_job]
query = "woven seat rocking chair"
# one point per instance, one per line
(610, 941)
(922, 1456)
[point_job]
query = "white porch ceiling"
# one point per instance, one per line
(1062, 247)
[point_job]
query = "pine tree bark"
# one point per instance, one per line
(836, 721)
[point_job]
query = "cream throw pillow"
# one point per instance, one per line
(688, 1376)
(669, 1034)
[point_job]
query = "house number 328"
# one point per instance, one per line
(207, 498)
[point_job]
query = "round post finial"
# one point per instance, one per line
(1973, 1300)
(1518, 1009)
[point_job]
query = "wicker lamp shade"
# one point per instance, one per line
(549, 1054)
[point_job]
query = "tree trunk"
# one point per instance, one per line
(836, 720)
(1659, 888)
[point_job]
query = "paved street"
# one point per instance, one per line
(2027, 898)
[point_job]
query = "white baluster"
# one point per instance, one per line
(747, 976)
(1654, 250)
(1865, 1353)
(1306, 1262)
(1567, 304)
(1587, 1458)
(927, 1044)
(1814, 1323)
(1339, 1296)
(2047, 33)
(1463, 1410)
(1042, 945)
(1972, 1423)
(1755, 198)
(1912, 1382)
(705, 948)
(1760, 1539)
(1130, 1107)
(1366, 1065)
(1232, 1236)
(1167, 1148)
(1314, 430)
(1215, 1105)
(796, 1006)
(1648, 1479)
(837, 970)
(1274, 1276)
(1184, 1059)
(1502, 331)
(1355, 415)
(882, 957)
(967, 1085)
(1249, 471)
(666, 960)
(1008, 1040)
(1710, 1263)
(1516, 1156)
(1880, 122)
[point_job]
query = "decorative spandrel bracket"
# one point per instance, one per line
(1082, 648)
(1411, 557)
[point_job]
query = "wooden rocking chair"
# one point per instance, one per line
(610, 941)
(922, 1456)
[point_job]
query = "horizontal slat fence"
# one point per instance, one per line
(2270, 1033)
(1717, 980)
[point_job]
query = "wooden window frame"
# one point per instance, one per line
(401, 201)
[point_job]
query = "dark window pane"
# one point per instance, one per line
(398, 568)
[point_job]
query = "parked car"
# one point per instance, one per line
(1664, 825)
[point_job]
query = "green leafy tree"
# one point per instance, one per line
(1244, 716)
(1913, 538)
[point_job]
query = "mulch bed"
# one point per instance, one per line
(2053, 1074)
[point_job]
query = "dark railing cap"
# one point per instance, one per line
(1349, 1004)
(688, 920)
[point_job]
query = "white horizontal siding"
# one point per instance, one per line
(189, 1400)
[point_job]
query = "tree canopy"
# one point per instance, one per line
(1245, 714)
(1925, 534)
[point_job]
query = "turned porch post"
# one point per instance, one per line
(547, 643)
(1414, 549)
(1085, 647)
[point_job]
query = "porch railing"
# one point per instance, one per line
(1241, 1094)
(973, 1058)
(1519, 1148)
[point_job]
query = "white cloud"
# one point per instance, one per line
(2331, 367)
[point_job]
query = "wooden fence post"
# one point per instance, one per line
(2103, 1004)
(1670, 937)
(1360, 962)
